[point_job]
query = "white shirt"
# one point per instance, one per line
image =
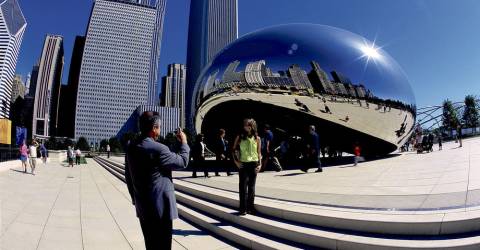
(32, 151)
(78, 152)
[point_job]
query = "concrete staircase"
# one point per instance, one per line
(285, 225)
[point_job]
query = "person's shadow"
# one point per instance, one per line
(19, 171)
(188, 232)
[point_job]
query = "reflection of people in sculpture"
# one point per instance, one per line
(327, 109)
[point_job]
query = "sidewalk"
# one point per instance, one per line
(77, 208)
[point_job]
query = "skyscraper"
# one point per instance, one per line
(12, 27)
(299, 77)
(18, 88)
(213, 24)
(173, 92)
(118, 65)
(68, 98)
(319, 79)
(33, 80)
(47, 90)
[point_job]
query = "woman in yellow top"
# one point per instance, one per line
(248, 159)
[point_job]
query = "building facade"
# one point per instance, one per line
(47, 89)
(12, 28)
(170, 118)
(18, 88)
(116, 71)
(68, 97)
(173, 91)
(213, 24)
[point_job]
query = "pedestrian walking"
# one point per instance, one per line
(267, 146)
(32, 155)
(78, 155)
(198, 155)
(247, 157)
(221, 152)
(108, 150)
(24, 155)
(148, 176)
(70, 156)
(312, 151)
(44, 153)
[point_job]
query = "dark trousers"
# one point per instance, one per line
(77, 160)
(222, 163)
(198, 164)
(248, 177)
(157, 233)
(108, 154)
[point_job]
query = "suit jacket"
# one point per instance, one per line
(148, 174)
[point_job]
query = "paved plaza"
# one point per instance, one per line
(77, 208)
(446, 179)
(409, 182)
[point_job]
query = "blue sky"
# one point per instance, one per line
(436, 42)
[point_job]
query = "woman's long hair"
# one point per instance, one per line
(253, 132)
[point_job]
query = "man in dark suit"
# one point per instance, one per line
(148, 175)
(221, 151)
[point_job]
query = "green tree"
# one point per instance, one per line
(115, 145)
(82, 144)
(470, 112)
(450, 116)
(103, 145)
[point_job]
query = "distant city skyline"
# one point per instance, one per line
(412, 31)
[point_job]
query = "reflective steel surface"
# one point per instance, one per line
(290, 76)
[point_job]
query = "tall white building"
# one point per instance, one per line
(12, 27)
(213, 24)
(119, 62)
(47, 92)
(173, 92)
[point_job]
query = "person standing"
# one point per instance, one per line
(70, 156)
(149, 179)
(108, 150)
(440, 142)
(198, 155)
(267, 145)
(24, 155)
(32, 155)
(357, 152)
(247, 158)
(43, 153)
(459, 135)
(78, 155)
(221, 152)
(313, 151)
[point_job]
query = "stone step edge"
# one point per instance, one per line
(319, 238)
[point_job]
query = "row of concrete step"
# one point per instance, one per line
(282, 225)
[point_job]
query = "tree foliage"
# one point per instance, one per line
(470, 113)
(82, 144)
(450, 116)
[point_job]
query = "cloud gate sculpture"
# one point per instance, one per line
(295, 75)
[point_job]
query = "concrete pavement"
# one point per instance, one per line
(76, 208)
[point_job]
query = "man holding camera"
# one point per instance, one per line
(148, 174)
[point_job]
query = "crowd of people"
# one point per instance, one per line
(29, 155)
(149, 166)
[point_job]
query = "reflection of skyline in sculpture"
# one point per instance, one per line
(257, 74)
(285, 77)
